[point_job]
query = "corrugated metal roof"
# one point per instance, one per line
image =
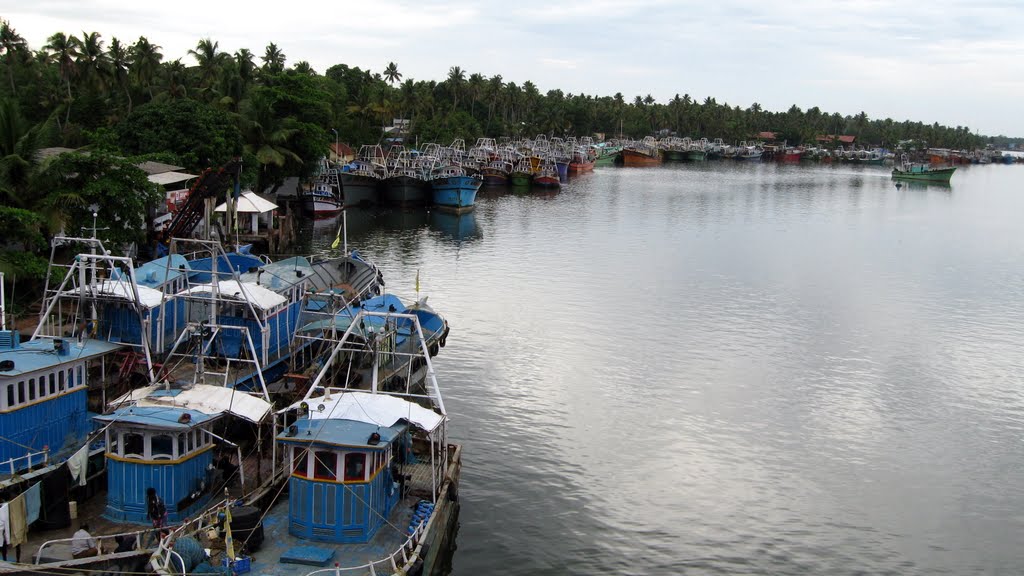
(148, 297)
(260, 297)
(165, 178)
(150, 167)
(376, 409)
(211, 400)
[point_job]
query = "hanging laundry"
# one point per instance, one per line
(33, 501)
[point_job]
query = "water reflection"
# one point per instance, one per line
(919, 186)
(457, 228)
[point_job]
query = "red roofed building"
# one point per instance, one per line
(765, 136)
(844, 139)
(341, 152)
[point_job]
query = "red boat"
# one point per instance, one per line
(547, 176)
(582, 161)
(791, 155)
(632, 157)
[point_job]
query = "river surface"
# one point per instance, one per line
(729, 368)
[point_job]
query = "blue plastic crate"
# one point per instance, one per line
(239, 566)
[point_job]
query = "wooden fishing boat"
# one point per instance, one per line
(643, 153)
(907, 170)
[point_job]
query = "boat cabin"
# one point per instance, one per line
(341, 488)
(164, 439)
(44, 387)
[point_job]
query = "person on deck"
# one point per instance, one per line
(157, 511)
(83, 544)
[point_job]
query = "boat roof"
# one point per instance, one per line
(281, 275)
(260, 297)
(152, 274)
(148, 297)
(204, 398)
(349, 433)
(39, 354)
(375, 409)
(166, 418)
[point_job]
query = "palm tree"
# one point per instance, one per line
(13, 47)
(246, 65)
(92, 61)
(267, 136)
(273, 59)
(392, 74)
(119, 68)
(476, 90)
(174, 76)
(304, 68)
(64, 49)
(144, 63)
(209, 61)
(456, 77)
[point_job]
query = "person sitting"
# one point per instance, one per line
(83, 544)
(125, 543)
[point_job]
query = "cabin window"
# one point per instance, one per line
(42, 388)
(60, 385)
(53, 387)
(134, 445)
(10, 395)
(21, 392)
(190, 441)
(325, 466)
(79, 378)
(355, 466)
(60, 379)
(161, 447)
(299, 466)
(32, 388)
(182, 449)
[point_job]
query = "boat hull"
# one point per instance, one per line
(546, 181)
(520, 179)
(634, 158)
(696, 155)
(563, 169)
(495, 178)
(456, 193)
(578, 167)
(404, 192)
(360, 190)
(322, 207)
(674, 155)
(935, 175)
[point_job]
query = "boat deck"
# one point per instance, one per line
(389, 538)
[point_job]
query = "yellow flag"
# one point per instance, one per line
(229, 542)
(417, 280)
(337, 241)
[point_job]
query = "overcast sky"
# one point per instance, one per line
(948, 61)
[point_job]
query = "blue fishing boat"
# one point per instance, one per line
(44, 387)
(453, 189)
(371, 478)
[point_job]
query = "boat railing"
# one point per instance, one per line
(160, 562)
(28, 458)
(105, 544)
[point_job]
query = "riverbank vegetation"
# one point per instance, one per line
(120, 99)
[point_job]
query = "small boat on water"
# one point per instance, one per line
(547, 176)
(323, 197)
(643, 153)
(582, 160)
(907, 170)
(453, 189)
(496, 172)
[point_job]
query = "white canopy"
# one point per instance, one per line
(260, 297)
(165, 178)
(201, 398)
(148, 297)
(379, 409)
(249, 202)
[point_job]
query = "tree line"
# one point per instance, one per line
(123, 101)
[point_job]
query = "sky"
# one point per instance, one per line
(959, 63)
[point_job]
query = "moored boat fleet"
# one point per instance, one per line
(212, 411)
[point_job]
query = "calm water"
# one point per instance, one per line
(730, 369)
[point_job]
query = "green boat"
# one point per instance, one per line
(673, 155)
(910, 171)
(696, 155)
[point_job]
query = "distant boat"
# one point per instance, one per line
(361, 179)
(521, 172)
(455, 190)
(404, 184)
(582, 161)
(496, 172)
(547, 177)
(323, 197)
(644, 153)
(907, 170)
